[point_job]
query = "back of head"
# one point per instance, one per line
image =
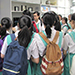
(25, 20)
(57, 21)
(26, 12)
(6, 22)
(48, 20)
(2, 31)
(73, 16)
(25, 34)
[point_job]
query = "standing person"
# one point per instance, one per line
(7, 23)
(69, 45)
(37, 22)
(3, 34)
(25, 12)
(49, 32)
(57, 25)
(65, 26)
(60, 18)
(69, 20)
(24, 35)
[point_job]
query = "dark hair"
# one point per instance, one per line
(73, 16)
(24, 36)
(2, 31)
(65, 19)
(56, 20)
(27, 12)
(60, 15)
(6, 22)
(48, 20)
(37, 13)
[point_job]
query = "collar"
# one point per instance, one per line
(38, 22)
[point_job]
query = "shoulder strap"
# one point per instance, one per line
(44, 37)
(56, 37)
(72, 35)
(12, 37)
(35, 26)
(47, 40)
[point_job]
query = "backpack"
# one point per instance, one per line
(52, 62)
(15, 61)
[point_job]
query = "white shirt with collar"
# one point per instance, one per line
(32, 50)
(41, 28)
(64, 30)
(68, 43)
(40, 44)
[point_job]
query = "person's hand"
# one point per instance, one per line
(69, 30)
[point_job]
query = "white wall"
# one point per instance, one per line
(5, 8)
(0, 9)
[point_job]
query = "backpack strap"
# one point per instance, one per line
(56, 37)
(44, 37)
(47, 40)
(13, 37)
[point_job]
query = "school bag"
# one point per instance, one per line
(52, 62)
(15, 61)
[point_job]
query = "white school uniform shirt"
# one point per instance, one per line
(17, 28)
(32, 50)
(64, 30)
(68, 43)
(41, 28)
(40, 44)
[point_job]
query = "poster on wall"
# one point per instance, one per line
(45, 8)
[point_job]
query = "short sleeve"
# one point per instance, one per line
(4, 47)
(65, 42)
(33, 50)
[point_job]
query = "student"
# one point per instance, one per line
(49, 32)
(69, 45)
(57, 25)
(60, 18)
(24, 37)
(37, 21)
(25, 12)
(3, 34)
(69, 21)
(65, 26)
(7, 23)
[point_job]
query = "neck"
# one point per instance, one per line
(36, 21)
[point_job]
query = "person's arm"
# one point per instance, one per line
(64, 52)
(4, 47)
(14, 29)
(65, 45)
(36, 60)
(33, 52)
(2, 55)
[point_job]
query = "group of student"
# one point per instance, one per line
(27, 32)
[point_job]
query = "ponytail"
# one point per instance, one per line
(24, 37)
(48, 31)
